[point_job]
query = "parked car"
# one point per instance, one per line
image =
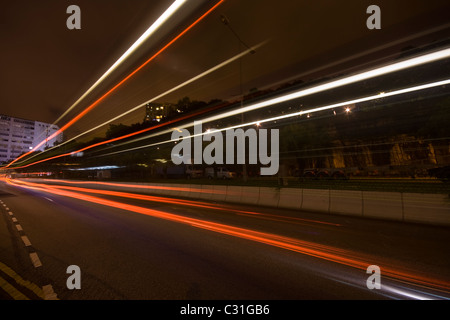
(188, 171)
(324, 174)
(219, 173)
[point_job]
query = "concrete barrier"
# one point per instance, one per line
(234, 194)
(408, 207)
(219, 193)
(194, 192)
(426, 208)
(316, 200)
(206, 191)
(269, 197)
(346, 202)
(168, 189)
(290, 198)
(250, 195)
(140, 188)
(183, 190)
(384, 205)
(154, 189)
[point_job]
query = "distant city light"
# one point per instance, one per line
(96, 168)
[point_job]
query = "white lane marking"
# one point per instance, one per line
(14, 219)
(10, 213)
(35, 260)
(19, 227)
(6, 208)
(49, 199)
(26, 241)
(49, 294)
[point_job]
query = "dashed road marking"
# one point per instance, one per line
(49, 294)
(35, 260)
(26, 241)
(46, 292)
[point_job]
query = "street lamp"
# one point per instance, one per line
(226, 22)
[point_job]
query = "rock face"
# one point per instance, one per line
(399, 156)
(380, 141)
(403, 135)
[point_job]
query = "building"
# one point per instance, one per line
(18, 136)
(157, 112)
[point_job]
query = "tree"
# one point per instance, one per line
(116, 130)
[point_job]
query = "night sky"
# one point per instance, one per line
(45, 67)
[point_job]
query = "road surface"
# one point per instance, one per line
(132, 247)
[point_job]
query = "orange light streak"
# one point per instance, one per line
(324, 252)
(171, 200)
(119, 138)
(93, 105)
(127, 185)
(134, 196)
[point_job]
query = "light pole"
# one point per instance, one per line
(226, 22)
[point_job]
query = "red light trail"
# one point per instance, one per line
(321, 251)
(104, 96)
(121, 137)
(167, 199)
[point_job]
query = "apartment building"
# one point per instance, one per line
(18, 136)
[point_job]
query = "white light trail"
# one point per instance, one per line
(197, 77)
(398, 66)
(201, 75)
(150, 31)
(408, 63)
(295, 114)
(365, 99)
(368, 52)
(442, 54)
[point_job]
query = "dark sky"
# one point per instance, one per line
(45, 67)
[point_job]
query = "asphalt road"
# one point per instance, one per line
(207, 251)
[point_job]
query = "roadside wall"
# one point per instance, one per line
(408, 207)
